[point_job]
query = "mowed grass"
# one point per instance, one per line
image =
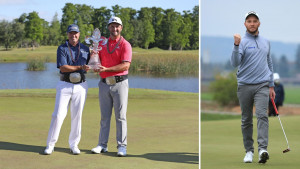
(23, 54)
(162, 131)
(291, 95)
(213, 117)
(222, 144)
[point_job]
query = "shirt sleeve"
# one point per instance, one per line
(270, 65)
(61, 57)
(127, 52)
(236, 57)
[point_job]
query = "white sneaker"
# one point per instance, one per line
(248, 157)
(75, 150)
(49, 150)
(122, 151)
(99, 149)
(263, 156)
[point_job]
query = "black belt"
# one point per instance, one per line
(66, 78)
(118, 78)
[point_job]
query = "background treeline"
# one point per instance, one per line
(145, 28)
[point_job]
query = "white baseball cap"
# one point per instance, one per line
(276, 76)
(251, 13)
(115, 19)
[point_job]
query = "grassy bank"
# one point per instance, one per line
(24, 54)
(213, 117)
(151, 61)
(162, 131)
(222, 144)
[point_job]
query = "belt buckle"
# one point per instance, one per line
(111, 80)
(75, 77)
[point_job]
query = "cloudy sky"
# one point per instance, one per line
(280, 19)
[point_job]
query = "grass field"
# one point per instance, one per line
(163, 131)
(222, 144)
(291, 95)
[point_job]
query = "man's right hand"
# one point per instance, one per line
(237, 39)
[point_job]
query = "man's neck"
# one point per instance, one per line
(253, 33)
(73, 43)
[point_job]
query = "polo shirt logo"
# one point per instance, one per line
(82, 51)
(253, 47)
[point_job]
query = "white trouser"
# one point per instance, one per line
(66, 93)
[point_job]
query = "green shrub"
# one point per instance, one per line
(36, 65)
(224, 89)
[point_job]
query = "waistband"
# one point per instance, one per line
(118, 78)
(66, 78)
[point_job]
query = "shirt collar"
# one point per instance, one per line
(250, 35)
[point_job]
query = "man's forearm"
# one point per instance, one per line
(68, 68)
(119, 68)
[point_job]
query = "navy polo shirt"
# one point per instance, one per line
(64, 56)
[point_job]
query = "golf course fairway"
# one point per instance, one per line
(163, 132)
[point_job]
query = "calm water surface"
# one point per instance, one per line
(15, 76)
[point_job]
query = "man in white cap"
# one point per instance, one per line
(72, 57)
(115, 59)
(251, 54)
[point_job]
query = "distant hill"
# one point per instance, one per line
(219, 49)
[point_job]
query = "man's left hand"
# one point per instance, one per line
(272, 93)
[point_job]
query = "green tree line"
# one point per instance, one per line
(145, 28)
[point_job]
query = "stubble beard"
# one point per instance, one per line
(252, 32)
(115, 34)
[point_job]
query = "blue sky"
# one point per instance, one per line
(279, 18)
(11, 9)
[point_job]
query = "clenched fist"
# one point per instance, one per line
(237, 39)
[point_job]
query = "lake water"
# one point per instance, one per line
(15, 76)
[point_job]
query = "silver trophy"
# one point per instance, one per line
(94, 62)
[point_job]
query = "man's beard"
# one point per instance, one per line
(114, 34)
(252, 32)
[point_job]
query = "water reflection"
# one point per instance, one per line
(15, 76)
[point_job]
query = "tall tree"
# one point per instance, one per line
(84, 15)
(100, 19)
(148, 33)
(46, 33)
(22, 18)
(69, 17)
(138, 31)
(127, 15)
(116, 10)
(185, 30)
(194, 38)
(171, 24)
(157, 18)
(19, 31)
(6, 34)
(55, 32)
(34, 28)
